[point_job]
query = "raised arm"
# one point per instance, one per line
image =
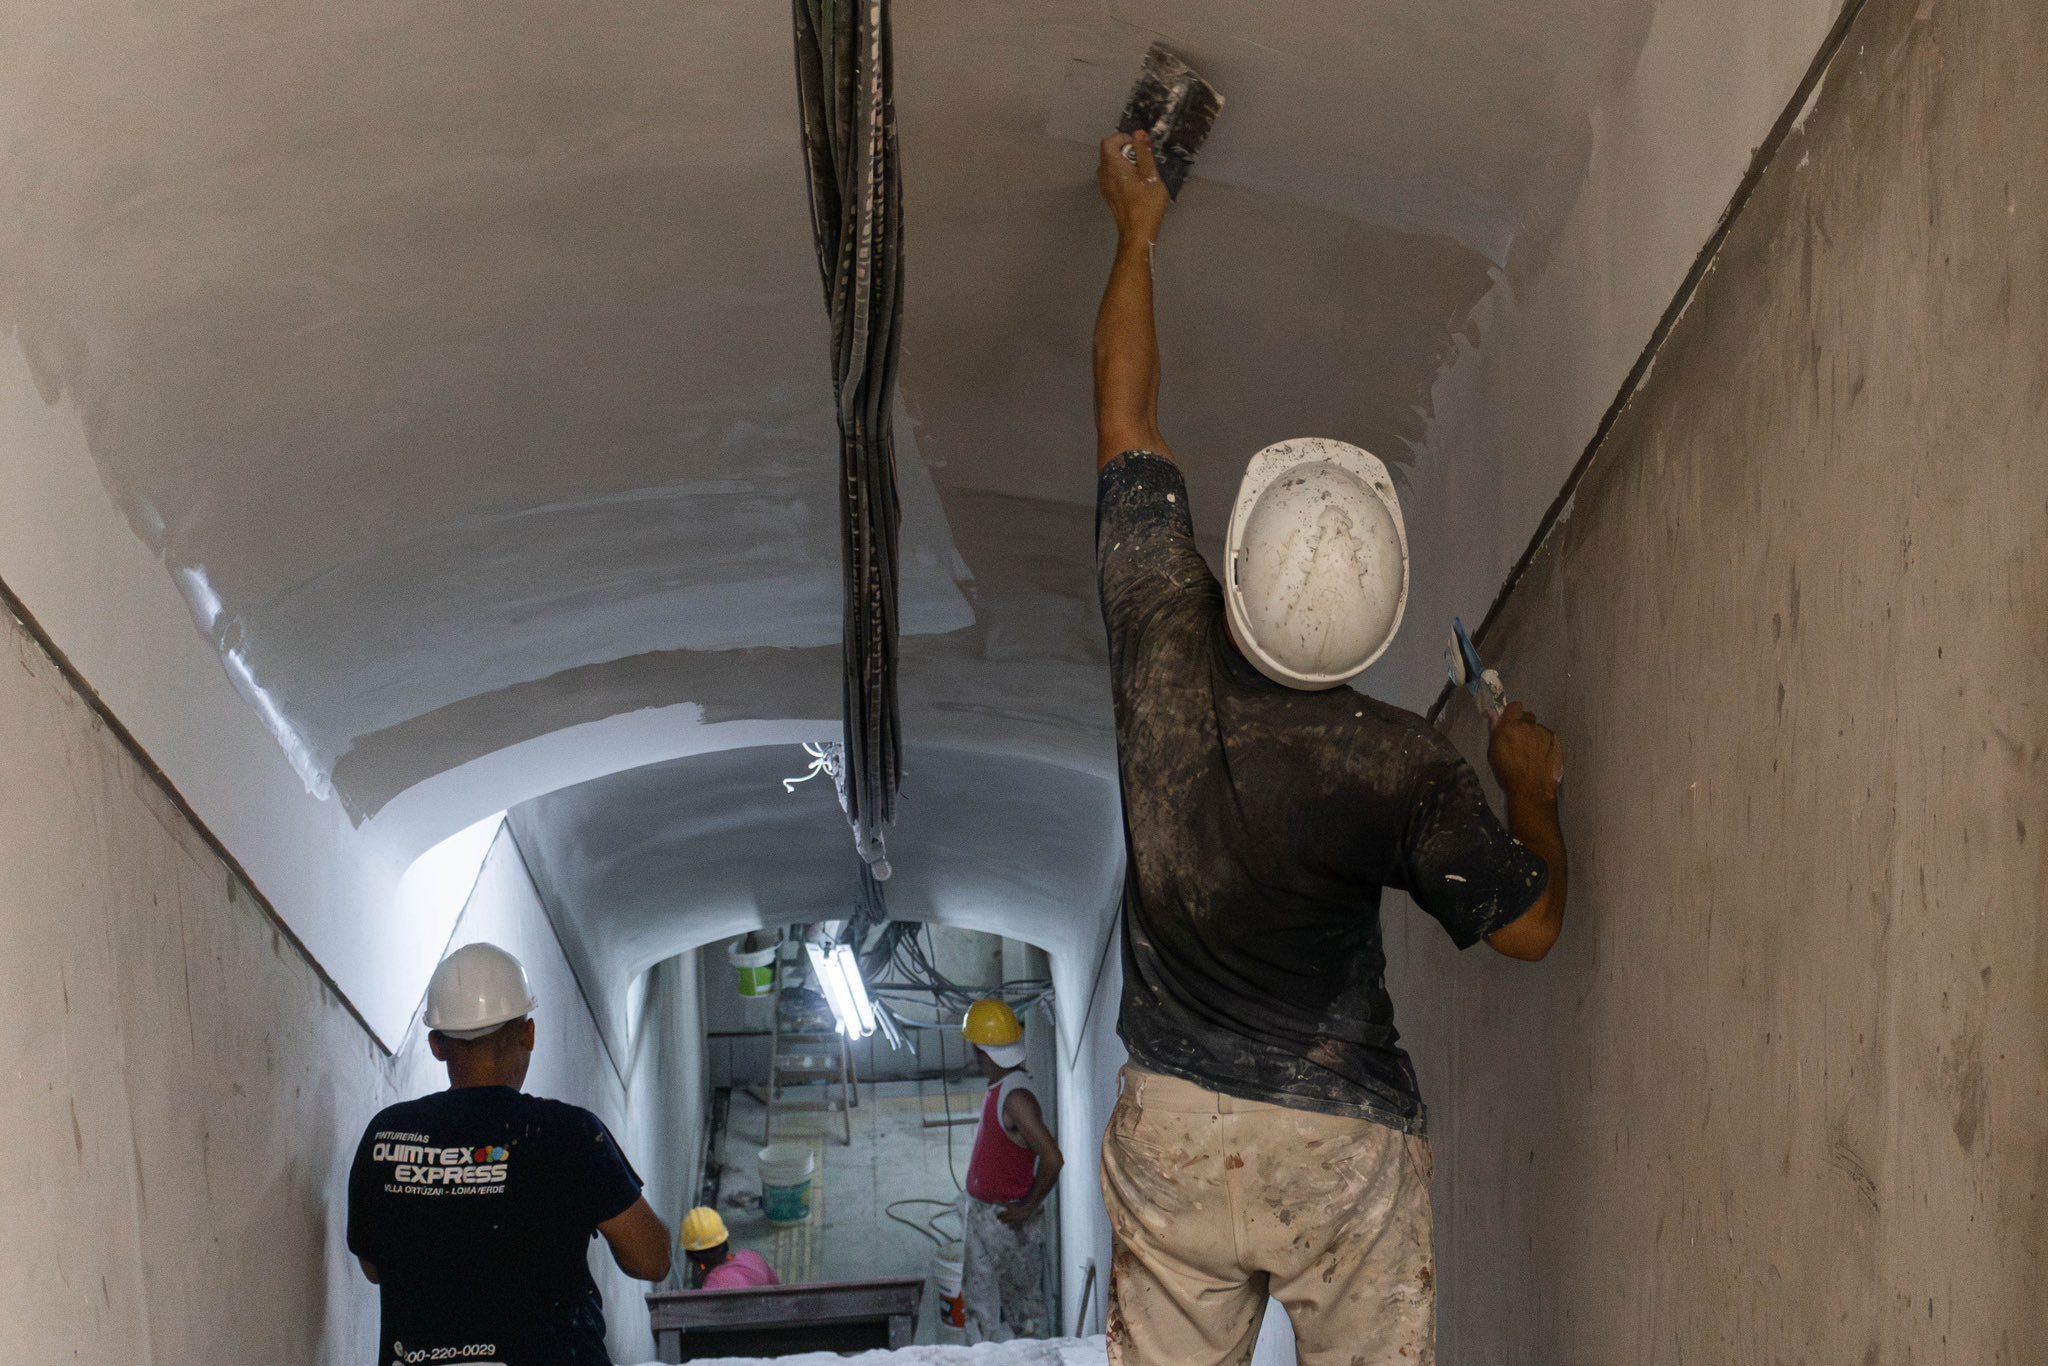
(1126, 342)
(1529, 762)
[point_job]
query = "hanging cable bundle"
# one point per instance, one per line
(849, 129)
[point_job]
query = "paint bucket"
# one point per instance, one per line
(946, 1268)
(786, 1170)
(756, 968)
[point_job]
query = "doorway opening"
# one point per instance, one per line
(875, 1129)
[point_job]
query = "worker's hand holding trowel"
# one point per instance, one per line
(1526, 756)
(1164, 124)
(1132, 187)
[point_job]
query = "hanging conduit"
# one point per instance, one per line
(849, 130)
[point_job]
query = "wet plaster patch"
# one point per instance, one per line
(1030, 669)
(420, 392)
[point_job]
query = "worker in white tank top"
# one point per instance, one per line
(1016, 1164)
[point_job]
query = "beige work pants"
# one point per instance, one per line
(1218, 1203)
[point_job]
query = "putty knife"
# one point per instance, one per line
(1177, 108)
(1462, 663)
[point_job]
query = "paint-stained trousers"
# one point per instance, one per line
(1002, 1273)
(1218, 1203)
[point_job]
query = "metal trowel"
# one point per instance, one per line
(1177, 108)
(1462, 663)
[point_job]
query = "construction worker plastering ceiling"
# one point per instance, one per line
(473, 1209)
(713, 1263)
(1269, 1138)
(1015, 1165)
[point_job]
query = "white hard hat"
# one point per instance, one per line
(477, 988)
(1316, 562)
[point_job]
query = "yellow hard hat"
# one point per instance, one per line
(703, 1229)
(991, 1024)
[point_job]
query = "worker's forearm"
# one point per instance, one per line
(1041, 1186)
(1127, 357)
(1533, 820)
(639, 1241)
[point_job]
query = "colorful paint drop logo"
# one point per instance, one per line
(489, 1155)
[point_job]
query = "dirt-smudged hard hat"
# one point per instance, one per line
(1315, 563)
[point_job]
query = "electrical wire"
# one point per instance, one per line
(845, 93)
(946, 1099)
(882, 946)
(930, 1227)
(913, 960)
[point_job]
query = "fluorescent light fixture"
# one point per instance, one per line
(838, 976)
(842, 957)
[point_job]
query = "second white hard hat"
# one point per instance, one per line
(1316, 562)
(477, 988)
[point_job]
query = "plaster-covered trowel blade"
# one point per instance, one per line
(1177, 108)
(1462, 663)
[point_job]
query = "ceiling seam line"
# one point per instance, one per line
(154, 771)
(1765, 157)
(562, 947)
(419, 1010)
(1110, 930)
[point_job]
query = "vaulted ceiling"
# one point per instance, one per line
(463, 366)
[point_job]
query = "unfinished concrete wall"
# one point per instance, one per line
(1779, 1095)
(183, 1092)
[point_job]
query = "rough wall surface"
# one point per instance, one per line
(183, 1094)
(1779, 1095)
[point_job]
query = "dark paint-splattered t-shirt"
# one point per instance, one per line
(477, 1206)
(1262, 822)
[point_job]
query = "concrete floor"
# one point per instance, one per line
(894, 1156)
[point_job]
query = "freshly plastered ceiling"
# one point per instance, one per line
(464, 365)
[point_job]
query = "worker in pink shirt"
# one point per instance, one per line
(1016, 1164)
(713, 1263)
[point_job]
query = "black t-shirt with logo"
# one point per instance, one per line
(1261, 823)
(477, 1207)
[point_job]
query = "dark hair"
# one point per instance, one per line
(704, 1259)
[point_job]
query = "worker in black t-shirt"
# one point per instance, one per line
(473, 1209)
(1269, 1137)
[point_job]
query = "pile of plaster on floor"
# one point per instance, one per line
(1035, 1352)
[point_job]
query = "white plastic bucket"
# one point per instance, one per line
(756, 969)
(786, 1171)
(946, 1278)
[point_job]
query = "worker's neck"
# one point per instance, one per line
(464, 1076)
(1244, 656)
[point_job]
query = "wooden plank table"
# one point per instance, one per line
(783, 1320)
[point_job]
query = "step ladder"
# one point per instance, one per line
(800, 1053)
